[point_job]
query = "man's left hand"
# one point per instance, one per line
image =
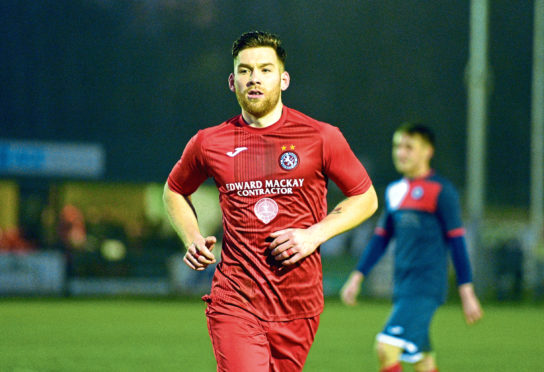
(291, 245)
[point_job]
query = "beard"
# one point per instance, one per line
(259, 107)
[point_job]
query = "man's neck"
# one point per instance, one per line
(420, 173)
(266, 120)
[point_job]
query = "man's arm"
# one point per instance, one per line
(374, 250)
(461, 263)
(291, 245)
(449, 211)
(183, 219)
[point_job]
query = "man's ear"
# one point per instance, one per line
(431, 152)
(231, 82)
(285, 80)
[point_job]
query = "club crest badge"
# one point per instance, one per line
(266, 210)
(289, 160)
(417, 193)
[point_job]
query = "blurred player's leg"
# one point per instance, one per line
(388, 356)
(394, 368)
(427, 364)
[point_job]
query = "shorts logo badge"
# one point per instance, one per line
(288, 159)
(395, 330)
(417, 193)
(266, 210)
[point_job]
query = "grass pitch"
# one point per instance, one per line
(171, 335)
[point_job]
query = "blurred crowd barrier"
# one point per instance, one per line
(32, 273)
(115, 239)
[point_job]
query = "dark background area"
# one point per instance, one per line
(141, 77)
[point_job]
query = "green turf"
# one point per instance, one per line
(171, 335)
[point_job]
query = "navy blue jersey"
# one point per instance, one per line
(423, 217)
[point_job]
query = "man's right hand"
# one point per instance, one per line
(199, 256)
(351, 289)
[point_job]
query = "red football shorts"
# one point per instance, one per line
(244, 343)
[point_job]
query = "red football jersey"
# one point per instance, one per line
(269, 179)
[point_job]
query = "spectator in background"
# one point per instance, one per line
(423, 215)
(12, 240)
(72, 235)
(72, 232)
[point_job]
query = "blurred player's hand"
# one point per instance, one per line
(199, 255)
(471, 305)
(291, 245)
(351, 289)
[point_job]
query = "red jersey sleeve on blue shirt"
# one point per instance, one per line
(384, 227)
(377, 245)
(189, 172)
(449, 211)
(455, 233)
(341, 165)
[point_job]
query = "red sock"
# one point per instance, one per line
(395, 368)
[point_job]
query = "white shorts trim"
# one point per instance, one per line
(411, 352)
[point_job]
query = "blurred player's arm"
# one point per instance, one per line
(183, 219)
(374, 250)
(471, 305)
(291, 245)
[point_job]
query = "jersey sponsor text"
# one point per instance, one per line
(282, 186)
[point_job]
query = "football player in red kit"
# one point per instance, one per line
(271, 165)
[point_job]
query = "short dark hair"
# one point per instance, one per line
(255, 39)
(412, 128)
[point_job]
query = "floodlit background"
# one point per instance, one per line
(98, 99)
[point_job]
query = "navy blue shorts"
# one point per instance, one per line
(408, 326)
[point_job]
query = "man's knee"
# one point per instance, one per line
(387, 354)
(427, 364)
